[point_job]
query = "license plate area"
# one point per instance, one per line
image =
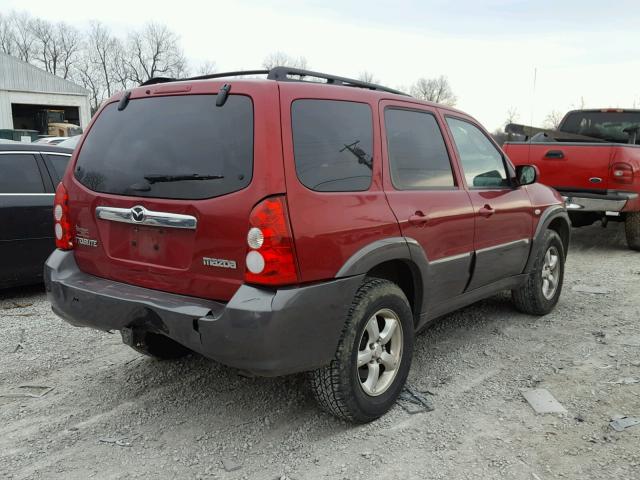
(158, 246)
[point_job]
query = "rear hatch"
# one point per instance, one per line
(161, 190)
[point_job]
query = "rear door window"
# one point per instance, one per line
(177, 147)
(333, 144)
(20, 174)
(418, 157)
(481, 161)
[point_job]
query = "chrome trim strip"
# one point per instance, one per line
(27, 194)
(451, 258)
(504, 245)
(32, 152)
(146, 217)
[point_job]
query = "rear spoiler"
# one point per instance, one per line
(556, 135)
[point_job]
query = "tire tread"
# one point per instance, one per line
(632, 230)
(326, 382)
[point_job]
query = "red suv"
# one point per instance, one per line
(281, 225)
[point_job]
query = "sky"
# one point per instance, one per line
(531, 57)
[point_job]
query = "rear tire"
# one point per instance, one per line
(160, 347)
(541, 291)
(632, 229)
(373, 357)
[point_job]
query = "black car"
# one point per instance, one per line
(29, 174)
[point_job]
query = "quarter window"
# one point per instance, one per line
(20, 174)
(418, 156)
(482, 163)
(58, 164)
(333, 144)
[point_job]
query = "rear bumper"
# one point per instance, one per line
(609, 201)
(267, 332)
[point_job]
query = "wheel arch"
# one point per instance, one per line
(391, 260)
(554, 218)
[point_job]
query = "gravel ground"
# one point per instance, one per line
(115, 414)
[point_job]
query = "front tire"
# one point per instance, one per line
(632, 230)
(541, 291)
(373, 357)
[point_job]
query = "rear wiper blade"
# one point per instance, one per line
(178, 178)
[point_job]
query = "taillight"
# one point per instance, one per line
(61, 225)
(622, 172)
(271, 258)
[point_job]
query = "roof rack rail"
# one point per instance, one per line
(284, 74)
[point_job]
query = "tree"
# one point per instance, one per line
(102, 51)
(90, 77)
(436, 90)
(154, 51)
(580, 104)
(70, 41)
(512, 115)
(552, 121)
(207, 68)
(281, 59)
(368, 77)
(23, 38)
(45, 46)
(7, 35)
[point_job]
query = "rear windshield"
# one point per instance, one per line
(180, 147)
(619, 127)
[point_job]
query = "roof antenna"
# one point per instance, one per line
(124, 101)
(223, 93)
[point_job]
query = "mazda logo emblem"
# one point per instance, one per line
(137, 214)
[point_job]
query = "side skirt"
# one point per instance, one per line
(470, 297)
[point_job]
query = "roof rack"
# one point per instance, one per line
(284, 74)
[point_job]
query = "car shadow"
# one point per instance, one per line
(596, 238)
(15, 293)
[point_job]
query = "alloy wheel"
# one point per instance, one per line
(379, 352)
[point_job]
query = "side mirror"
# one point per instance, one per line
(527, 174)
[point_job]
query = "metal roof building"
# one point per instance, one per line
(26, 90)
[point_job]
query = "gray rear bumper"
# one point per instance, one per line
(268, 332)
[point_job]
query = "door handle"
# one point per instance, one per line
(418, 218)
(486, 211)
(554, 154)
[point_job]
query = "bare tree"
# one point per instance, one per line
(512, 115)
(580, 104)
(7, 35)
(368, 77)
(69, 40)
(24, 41)
(207, 68)
(155, 52)
(281, 59)
(552, 121)
(101, 53)
(89, 75)
(436, 90)
(46, 46)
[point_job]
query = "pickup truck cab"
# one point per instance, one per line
(593, 160)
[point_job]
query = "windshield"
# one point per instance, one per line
(179, 147)
(619, 127)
